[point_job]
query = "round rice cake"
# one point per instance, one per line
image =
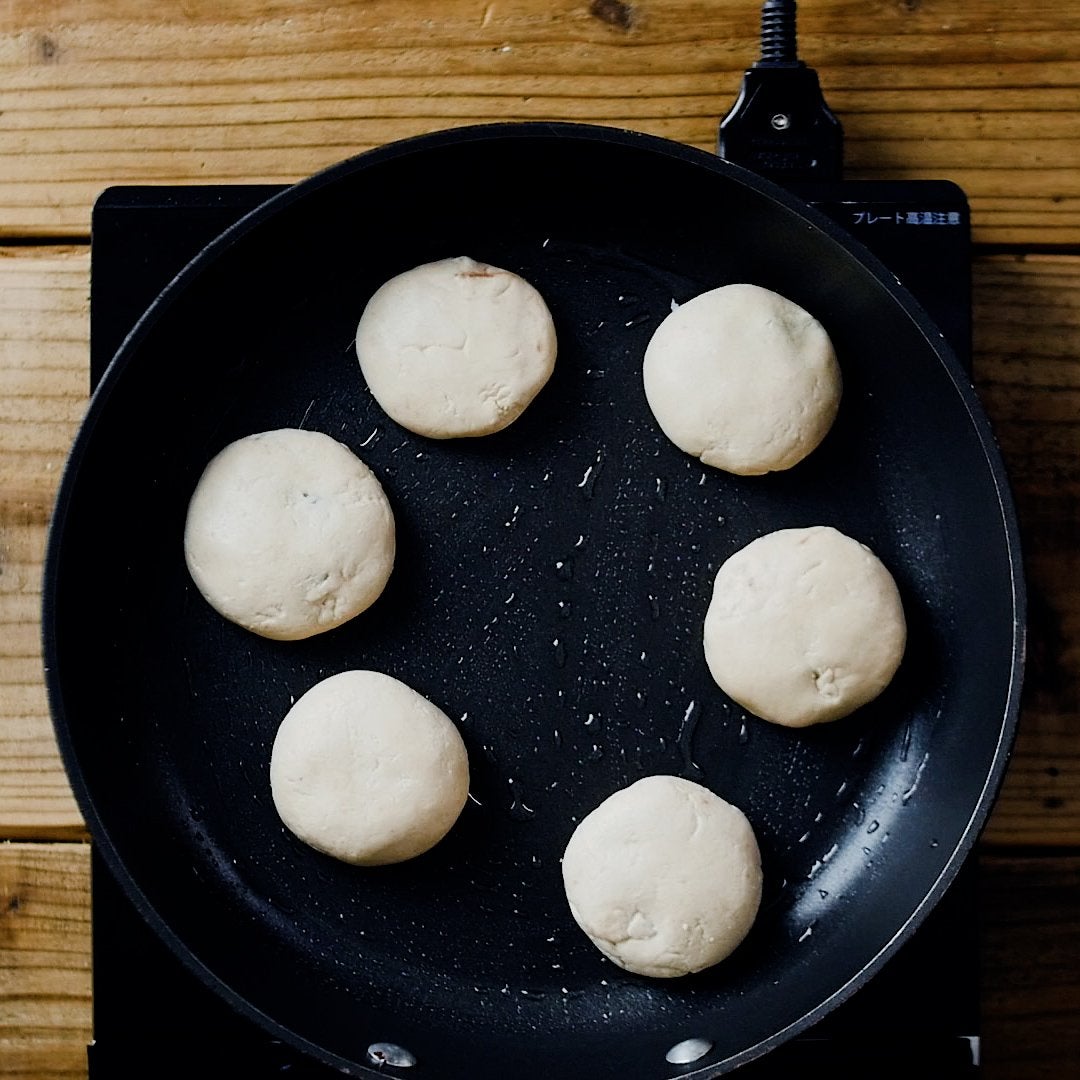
(743, 379)
(367, 770)
(664, 877)
(804, 626)
(456, 347)
(289, 534)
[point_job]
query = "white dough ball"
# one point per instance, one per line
(664, 877)
(743, 379)
(455, 347)
(367, 770)
(289, 534)
(805, 625)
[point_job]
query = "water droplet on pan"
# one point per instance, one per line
(686, 737)
(915, 782)
(519, 811)
(905, 745)
(588, 481)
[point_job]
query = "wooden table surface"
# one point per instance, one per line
(984, 92)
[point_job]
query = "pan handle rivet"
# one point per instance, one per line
(780, 121)
(384, 1053)
(683, 1053)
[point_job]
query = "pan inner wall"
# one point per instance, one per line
(549, 592)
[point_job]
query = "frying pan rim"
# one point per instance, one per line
(421, 144)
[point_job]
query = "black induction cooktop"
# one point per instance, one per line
(917, 1017)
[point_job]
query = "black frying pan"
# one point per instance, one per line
(549, 593)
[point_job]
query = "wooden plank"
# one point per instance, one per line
(43, 391)
(1028, 340)
(1027, 370)
(45, 1016)
(1030, 917)
(98, 91)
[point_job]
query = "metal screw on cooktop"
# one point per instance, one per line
(381, 1054)
(781, 121)
(688, 1050)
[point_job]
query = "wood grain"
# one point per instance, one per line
(1027, 369)
(43, 391)
(98, 91)
(44, 960)
(1030, 918)
(1031, 974)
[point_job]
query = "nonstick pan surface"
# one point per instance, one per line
(549, 593)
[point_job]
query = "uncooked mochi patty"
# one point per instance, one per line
(805, 625)
(743, 379)
(367, 770)
(664, 877)
(455, 347)
(289, 534)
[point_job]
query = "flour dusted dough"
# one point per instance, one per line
(743, 379)
(289, 534)
(805, 625)
(664, 877)
(455, 347)
(367, 770)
